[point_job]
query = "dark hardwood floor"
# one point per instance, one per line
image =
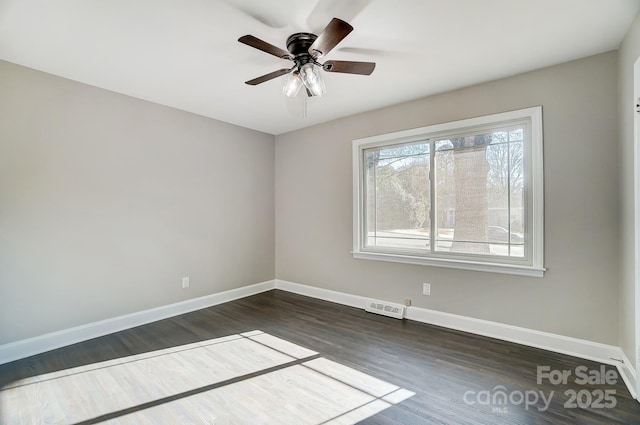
(454, 375)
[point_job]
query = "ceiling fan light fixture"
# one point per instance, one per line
(292, 84)
(312, 79)
(304, 49)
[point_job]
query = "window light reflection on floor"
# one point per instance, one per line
(250, 378)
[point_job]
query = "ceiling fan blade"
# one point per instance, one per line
(333, 34)
(269, 13)
(267, 77)
(348, 10)
(255, 42)
(370, 52)
(349, 67)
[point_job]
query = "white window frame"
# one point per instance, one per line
(532, 266)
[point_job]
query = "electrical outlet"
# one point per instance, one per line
(407, 302)
(185, 282)
(426, 288)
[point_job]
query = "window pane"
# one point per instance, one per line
(445, 195)
(461, 194)
(442, 145)
(499, 137)
(516, 134)
(398, 197)
(461, 188)
(517, 217)
(480, 196)
(498, 199)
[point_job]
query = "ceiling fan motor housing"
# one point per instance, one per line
(298, 45)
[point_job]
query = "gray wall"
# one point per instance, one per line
(629, 52)
(578, 296)
(106, 202)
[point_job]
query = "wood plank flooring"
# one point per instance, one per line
(450, 377)
(245, 378)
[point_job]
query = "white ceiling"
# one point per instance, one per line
(185, 54)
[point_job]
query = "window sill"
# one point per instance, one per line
(454, 264)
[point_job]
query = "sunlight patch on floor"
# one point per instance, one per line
(250, 378)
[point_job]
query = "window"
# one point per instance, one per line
(464, 194)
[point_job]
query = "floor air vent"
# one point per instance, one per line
(385, 308)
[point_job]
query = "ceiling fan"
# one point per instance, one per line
(305, 50)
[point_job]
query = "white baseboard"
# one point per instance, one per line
(40, 344)
(603, 353)
(628, 373)
(321, 294)
(581, 348)
(589, 350)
